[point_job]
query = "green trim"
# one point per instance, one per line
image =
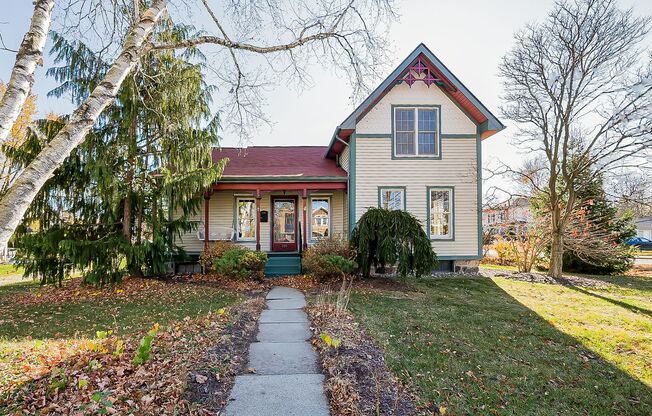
(389, 136)
(459, 136)
(403, 188)
(263, 179)
(452, 209)
(479, 179)
(351, 186)
(374, 135)
(459, 258)
(416, 138)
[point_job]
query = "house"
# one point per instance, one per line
(644, 227)
(514, 214)
(413, 144)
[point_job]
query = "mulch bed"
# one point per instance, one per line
(211, 388)
(358, 381)
(534, 277)
(248, 287)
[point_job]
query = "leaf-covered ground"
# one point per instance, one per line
(70, 351)
(499, 346)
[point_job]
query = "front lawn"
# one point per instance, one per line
(41, 328)
(498, 346)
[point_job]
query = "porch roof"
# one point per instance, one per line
(278, 164)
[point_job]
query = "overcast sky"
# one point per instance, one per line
(469, 36)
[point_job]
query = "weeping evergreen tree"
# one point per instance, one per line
(108, 210)
(383, 237)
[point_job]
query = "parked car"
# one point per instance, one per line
(641, 243)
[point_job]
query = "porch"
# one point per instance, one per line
(275, 199)
(282, 219)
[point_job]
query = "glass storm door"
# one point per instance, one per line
(284, 231)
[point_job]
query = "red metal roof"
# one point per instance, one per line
(275, 161)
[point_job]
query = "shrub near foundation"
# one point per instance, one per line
(318, 259)
(240, 263)
(214, 250)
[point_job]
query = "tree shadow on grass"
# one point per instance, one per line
(472, 347)
(633, 308)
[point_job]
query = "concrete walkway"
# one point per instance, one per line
(287, 380)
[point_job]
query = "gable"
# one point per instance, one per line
(423, 64)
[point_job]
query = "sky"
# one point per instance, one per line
(470, 37)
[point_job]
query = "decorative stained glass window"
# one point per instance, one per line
(392, 198)
(441, 211)
(415, 131)
(246, 219)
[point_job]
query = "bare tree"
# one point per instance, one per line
(282, 36)
(632, 191)
(576, 86)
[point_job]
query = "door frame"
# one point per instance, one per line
(291, 246)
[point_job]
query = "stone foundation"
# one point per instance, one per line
(466, 266)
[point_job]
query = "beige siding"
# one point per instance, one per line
(378, 119)
(457, 169)
(189, 240)
(222, 210)
(344, 158)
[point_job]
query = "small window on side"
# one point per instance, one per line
(440, 221)
(391, 198)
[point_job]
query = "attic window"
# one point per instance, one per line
(416, 131)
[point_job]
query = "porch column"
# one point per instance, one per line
(258, 197)
(207, 198)
(305, 226)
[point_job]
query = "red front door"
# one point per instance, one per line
(284, 224)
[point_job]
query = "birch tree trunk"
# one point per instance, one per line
(20, 195)
(28, 57)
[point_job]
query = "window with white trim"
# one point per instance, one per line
(416, 131)
(246, 221)
(320, 217)
(441, 213)
(391, 198)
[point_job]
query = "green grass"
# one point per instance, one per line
(40, 327)
(9, 269)
(483, 346)
(122, 314)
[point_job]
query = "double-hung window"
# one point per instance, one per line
(320, 217)
(246, 222)
(440, 220)
(391, 198)
(416, 131)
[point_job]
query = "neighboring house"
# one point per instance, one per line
(413, 144)
(644, 227)
(511, 214)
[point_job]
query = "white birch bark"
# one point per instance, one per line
(20, 195)
(29, 56)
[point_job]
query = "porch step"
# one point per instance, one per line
(283, 265)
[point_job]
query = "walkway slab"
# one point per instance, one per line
(286, 379)
(288, 395)
(283, 315)
(283, 358)
(286, 303)
(283, 332)
(280, 292)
